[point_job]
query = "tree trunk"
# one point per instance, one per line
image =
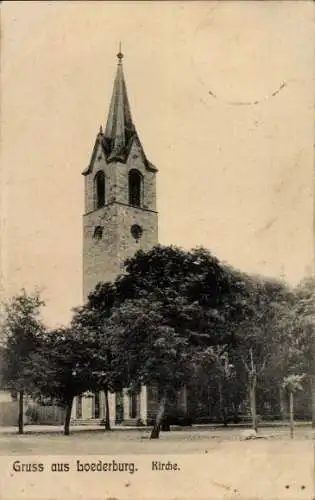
(155, 434)
(21, 413)
(107, 419)
(291, 414)
(252, 392)
(281, 403)
(209, 405)
(223, 413)
(165, 426)
(312, 365)
(313, 399)
(235, 413)
(68, 417)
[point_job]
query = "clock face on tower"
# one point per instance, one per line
(136, 231)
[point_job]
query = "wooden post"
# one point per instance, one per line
(313, 375)
(21, 413)
(291, 414)
(253, 406)
(252, 385)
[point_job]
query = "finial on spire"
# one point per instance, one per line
(120, 55)
(101, 129)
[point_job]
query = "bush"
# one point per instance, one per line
(33, 414)
(206, 420)
(172, 417)
(177, 417)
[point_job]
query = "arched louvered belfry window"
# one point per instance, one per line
(99, 187)
(135, 188)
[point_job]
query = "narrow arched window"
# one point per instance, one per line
(135, 188)
(99, 187)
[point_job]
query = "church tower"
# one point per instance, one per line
(120, 194)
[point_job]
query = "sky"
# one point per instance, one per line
(222, 96)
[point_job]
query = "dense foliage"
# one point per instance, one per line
(21, 335)
(172, 319)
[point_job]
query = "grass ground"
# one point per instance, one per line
(188, 440)
(213, 463)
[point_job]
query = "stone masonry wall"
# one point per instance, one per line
(103, 257)
(100, 256)
(148, 221)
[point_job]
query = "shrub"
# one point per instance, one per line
(33, 414)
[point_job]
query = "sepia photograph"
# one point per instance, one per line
(157, 307)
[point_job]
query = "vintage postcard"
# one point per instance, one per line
(157, 281)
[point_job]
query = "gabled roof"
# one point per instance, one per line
(120, 132)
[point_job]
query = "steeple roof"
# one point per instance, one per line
(120, 131)
(119, 127)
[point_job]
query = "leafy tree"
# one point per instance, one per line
(22, 332)
(150, 351)
(289, 347)
(193, 296)
(62, 368)
(161, 269)
(260, 331)
(92, 318)
(240, 321)
(195, 288)
(230, 385)
(292, 383)
(216, 370)
(290, 343)
(304, 329)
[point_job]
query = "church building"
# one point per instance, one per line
(120, 217)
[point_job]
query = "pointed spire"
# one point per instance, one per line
(120, 55)
(117, 138)
(119, 127)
